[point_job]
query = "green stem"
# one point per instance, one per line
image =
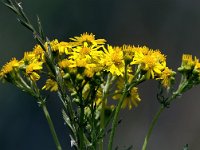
(179, 91)
(102, 120)
(115, 119)
(102, 116)
(155, 119)
(81, 133)
(51, 126)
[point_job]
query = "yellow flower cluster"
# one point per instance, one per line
(189, 65)
(9, 67)
(132, 98)
(85, 57)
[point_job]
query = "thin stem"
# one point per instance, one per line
(115, 119)
(102, 116)
(127, 87)
(81, 132)
(153, 123)
(183, 84)
(51, 126)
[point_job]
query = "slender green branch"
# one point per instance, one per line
(126, 89)
(183, 84)
(51, 126)
(102, 116)
(153, 123)
(115, 119)
(81, 124)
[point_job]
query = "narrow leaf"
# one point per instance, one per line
(40, 28)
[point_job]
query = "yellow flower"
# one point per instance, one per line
(64, 47)
(85, 57)
(32, 68)
(90, 70)
(39, 53)
(28, 58)
(132, 99)
(128, 51)
(34, 76)
(50, 85)
(141, 50)
(166, 77)
(153, 62)
(9, 67)
(54, 45)
(65, 63)
(197, 67)
(79, 63)
(80, 52)
(187, 63)
(88, 38)
(33, 56)
(114, 60)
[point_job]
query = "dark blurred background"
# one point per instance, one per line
(173, 26)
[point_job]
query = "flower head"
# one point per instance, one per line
(166, 77)
(87, 38)
(9, 67)
(151, 62)
(188, 63)
(132, 99)
(114, 60)
(50, 85)
(31, 70)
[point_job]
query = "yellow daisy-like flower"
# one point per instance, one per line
(28, 58)
(8, 67)
(86, 57)
(114, 60)
(80, 63)
(89, 38)
(153, 62)
(32, 68)
(91, 53)
(50, 85)
(39, 53)
(132, 99)
(80, 52)
(90, 70)
(54, 45)
(64, 47)
(166, 77)
(65, 63)
(141, 50)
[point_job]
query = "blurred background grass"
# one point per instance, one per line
(173, 26)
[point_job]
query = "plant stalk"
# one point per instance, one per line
(51, 126)
(153, 123)
(115, 119)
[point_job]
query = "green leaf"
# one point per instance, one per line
(11, 6)
(40, 28)
(67, 121)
